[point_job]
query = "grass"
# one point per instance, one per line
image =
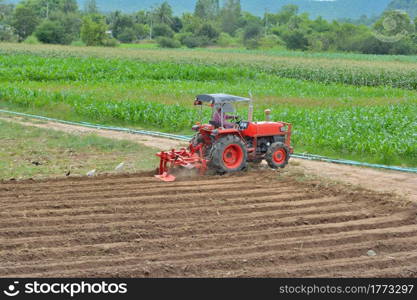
(362, 120)
(29, 152)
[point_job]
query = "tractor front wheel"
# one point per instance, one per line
(277, 155)
(228, 155)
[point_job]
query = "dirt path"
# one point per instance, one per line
(246, 225)
(159, 143)
(404, 184)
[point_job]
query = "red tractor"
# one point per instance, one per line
(228, 147)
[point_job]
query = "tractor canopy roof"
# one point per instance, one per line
(221, 98)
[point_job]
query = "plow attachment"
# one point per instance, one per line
(179, 159)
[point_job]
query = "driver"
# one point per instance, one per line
(217, 118)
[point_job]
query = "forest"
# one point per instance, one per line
(209, 25)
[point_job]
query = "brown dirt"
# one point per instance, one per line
(255, 224)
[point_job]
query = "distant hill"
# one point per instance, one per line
(329, 9)
(410, 6)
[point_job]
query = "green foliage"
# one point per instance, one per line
(208, 31)
(120, 23)
(225, 40)
(50, 32)
(141, 31)
(7, 34)
(295, 40)
(163, 30)
(163, 13)
(110, 42)
(31, 40)
(192, 41)
(166, 42)
(90, 7)
(226, 26)
(207, 9)
(229, 16)
(78, 43)
(128, 35)
(93, 30)
(410, 6)
(270, 41)
(251, 35)
(24, 21)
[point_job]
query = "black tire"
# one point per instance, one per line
(277, 155)
(217, 162)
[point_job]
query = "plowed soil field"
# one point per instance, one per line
(257, 224)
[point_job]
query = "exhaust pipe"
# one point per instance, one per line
(250, 111)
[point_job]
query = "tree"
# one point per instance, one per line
(207, 9)
(190, 22)
(69, 6)
(93, 30)
(251, 35)
(119, 22)
(166, 42)
(296, 40)
(286, 13)
(252, 31)
(163, 13)
(393, 26)
(162, 30)
(50, 32)
(71, 23)
(24, 21)
(176, 24)
(90, 7)
(128, 35)
(410, 6)
(208, 31)
(230, 14)
(141, 31)
(6, 11)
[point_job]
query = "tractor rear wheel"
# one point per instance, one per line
(228, 155)
(277, 155)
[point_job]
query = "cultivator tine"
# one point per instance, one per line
(174, 159)
(166, 177)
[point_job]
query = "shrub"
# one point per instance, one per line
(78, 43)
(31, 40)
(270, 41)
(196, 41)
(50, 32)
(225, 40)
(166, 42)
(209, 32)
(162, 30)
(110, 42)
(7, 34)
(128, 35)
